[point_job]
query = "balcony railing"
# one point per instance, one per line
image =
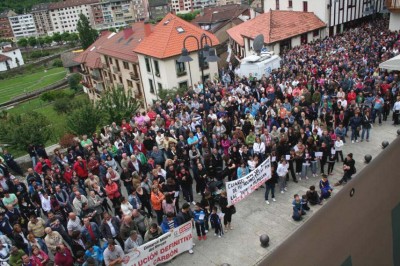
(116, 70)
(393, 5)
(96, 78)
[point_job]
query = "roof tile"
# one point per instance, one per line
(276, 25)
(166, 41)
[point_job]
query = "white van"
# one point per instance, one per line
(258, 65)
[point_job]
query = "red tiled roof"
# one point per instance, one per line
(276, 25)
(90, 56)
(71, 3)
(122, 44)
(9, 49)
(219, 13)
(166, 41)
(4, 58)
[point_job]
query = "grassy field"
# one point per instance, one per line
(58, 121)
(19, 85)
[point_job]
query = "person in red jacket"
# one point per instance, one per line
(351, 96)
(63, 256)
(80, 167)
(42, 166)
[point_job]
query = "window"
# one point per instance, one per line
(159, 86)
(290, 4)
(316, 33)
(147, 65)
(183, 84)
(276, 4)
(305, 6)
(156, 68)
(151, 86)
(110, 60)
(126, 65)
(180, 68)
(120, 79)
(115, 77)
(130, 84)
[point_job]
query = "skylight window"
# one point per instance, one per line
(94, 47)
(180, 30)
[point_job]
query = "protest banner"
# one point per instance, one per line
(239, 189)
(162, 249)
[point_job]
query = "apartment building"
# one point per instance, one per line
(115, 14)
(65, 15)
(23, 26)
(337, 14)
(42, 19)
(158, 8)
(200, 4)
(5, 27)
(182, 6)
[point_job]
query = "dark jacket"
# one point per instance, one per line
(96, 232)
(182, 218)
(106, 230)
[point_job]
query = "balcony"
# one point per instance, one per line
(393, 5)
(83, 71)
(97, 78)
(134, 76)
(106, 67)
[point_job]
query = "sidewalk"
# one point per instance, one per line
(254, 217)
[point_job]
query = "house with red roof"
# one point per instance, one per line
(10, 57)
(281, 29)
(159, 52)
(110, 62)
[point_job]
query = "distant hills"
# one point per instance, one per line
(21, 6)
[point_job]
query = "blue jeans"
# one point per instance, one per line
(268, 189)
(314, 167)
(377, 113)
(354, 133)
(363, 132)
(304, 170)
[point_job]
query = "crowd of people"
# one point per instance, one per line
(138, 178)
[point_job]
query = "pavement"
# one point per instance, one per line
(241, 246)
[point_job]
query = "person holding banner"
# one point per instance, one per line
(184, 216)
(282, 170)
(242, 171)
(113, 254)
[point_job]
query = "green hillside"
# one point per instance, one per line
(21, 6)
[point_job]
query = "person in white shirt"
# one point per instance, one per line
(45, 200)
(339, 148)
(135, 240)
(78, 201)
(259, 148)
(126, 207)
(282, 171)
(396, 111)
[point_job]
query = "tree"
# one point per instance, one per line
(41, 41)
(87, 34)
(57, 37)
(48, 40)
(84, 120)
(32, 41)
(117, 104)
(65, 36)
(74, 82)
(23, 42)
(73, 38)
(24, 129)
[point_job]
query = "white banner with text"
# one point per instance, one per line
(162, 249)
(239, 189)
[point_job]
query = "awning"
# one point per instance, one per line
(391, 64)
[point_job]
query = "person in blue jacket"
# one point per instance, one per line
(325, 187)
(169, 222)
(95, 252)
(242, 171)
(298, 211)
(199, 217)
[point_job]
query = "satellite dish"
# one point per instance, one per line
(258, 43)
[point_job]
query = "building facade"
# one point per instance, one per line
(337, 14)
(182, 6)
(158, 56)
(23, 26)
(65, 15)
(41, 17)
(158, 9)
(115, 14)
(394, 8)
(5, 26)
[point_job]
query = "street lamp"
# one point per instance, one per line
(206, 54)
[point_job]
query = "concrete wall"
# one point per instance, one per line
(394, 22)
(352, 229)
